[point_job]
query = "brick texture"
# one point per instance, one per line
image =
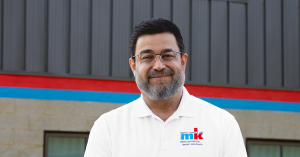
(23, 122)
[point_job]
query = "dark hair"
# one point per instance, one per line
(155, 26)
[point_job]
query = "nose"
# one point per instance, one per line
(158, 64)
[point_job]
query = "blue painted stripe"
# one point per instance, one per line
(112, 97)
(53, 94)
(254, 105)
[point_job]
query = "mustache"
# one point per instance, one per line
(162, 72)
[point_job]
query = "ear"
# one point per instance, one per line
(132, 65)
(184, 60)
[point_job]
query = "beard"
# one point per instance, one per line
(163, 90)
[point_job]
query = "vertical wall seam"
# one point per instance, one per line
(171, 10)
(131, 29)
(111, 36)
(131, 16)
(246, 57)
(282, 46)
(265, 46)
(91, 39)
(152, 12)
(228, 44)
(46, 36)
(209, 41)
(190, 38)
(68, 55)
(2, 28)
(25, 33)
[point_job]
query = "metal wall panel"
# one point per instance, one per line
(162, 9)
(291, 43)
(80, 37)
(199, 56)
(35, 60)
(91, 37)
(142, 10)
(256, 48)
(13, 35)
(181, 17)
(1, 36)
(219, 43)
(237, 43)
(273, 43)
(101, 37)
(58, 36)
(122, 26)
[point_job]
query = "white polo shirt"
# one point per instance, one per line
(196, 129)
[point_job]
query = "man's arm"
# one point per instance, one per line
(99, 143)
(233, 144)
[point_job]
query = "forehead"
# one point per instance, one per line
(156, 42)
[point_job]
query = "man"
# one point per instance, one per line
(165, 121)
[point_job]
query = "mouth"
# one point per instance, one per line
(159, 76)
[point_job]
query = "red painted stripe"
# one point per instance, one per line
(130, 87)
(68, 83)
(244, 93)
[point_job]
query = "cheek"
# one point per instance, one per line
(143, 70)
(175, 66)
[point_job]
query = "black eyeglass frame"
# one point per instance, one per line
(181, 53)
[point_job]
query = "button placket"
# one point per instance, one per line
(164, 139)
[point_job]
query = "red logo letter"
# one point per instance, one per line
(196, 135)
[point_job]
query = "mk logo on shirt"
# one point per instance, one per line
(192, 135)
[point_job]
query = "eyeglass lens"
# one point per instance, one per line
(150, 57)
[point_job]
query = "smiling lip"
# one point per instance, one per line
(159, 76)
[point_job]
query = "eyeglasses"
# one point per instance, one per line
(150, 57)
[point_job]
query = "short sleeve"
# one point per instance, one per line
(99, 143)
(233, 144)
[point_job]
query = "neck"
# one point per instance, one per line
(164, 108)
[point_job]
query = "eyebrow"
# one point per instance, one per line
(145, 51)
(149, 51)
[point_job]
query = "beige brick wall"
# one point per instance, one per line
(23, 122)
(268, 124)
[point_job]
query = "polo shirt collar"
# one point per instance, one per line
(141, 109)
(186, 107)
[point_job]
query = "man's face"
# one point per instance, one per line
(158, 80)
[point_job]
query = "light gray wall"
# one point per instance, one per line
(252, 43)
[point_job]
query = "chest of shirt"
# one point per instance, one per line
(184, 136)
